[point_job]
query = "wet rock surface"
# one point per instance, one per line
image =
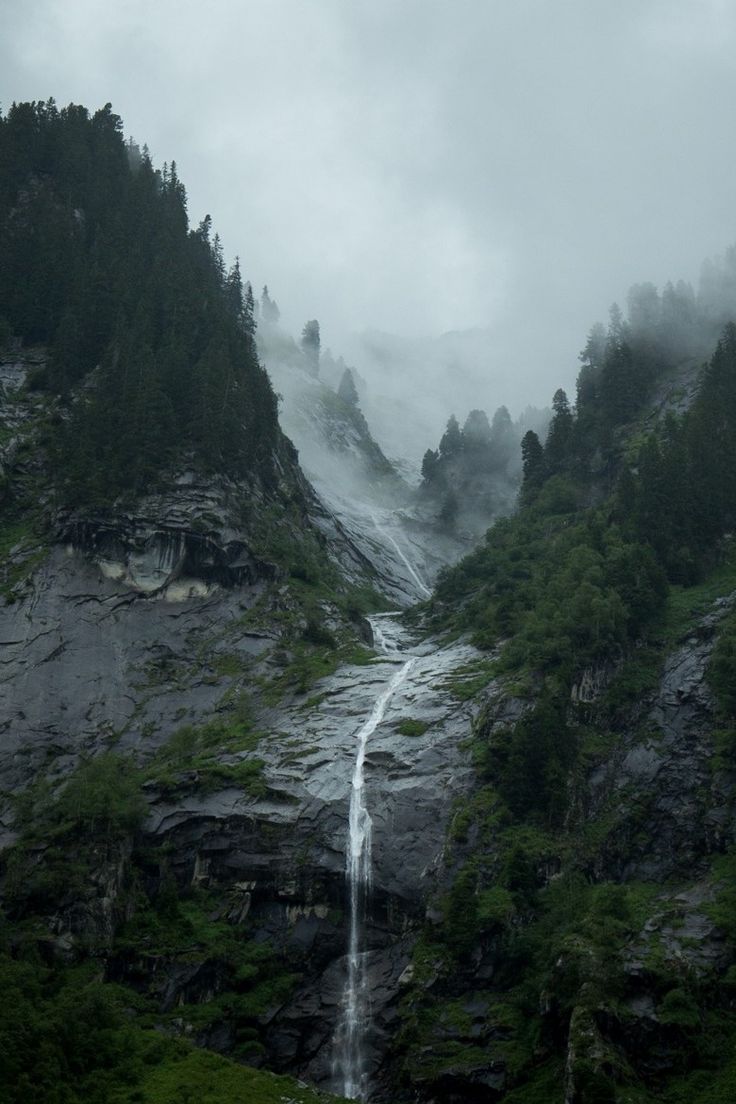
(289, 847)
(674, 810)
(133, 627)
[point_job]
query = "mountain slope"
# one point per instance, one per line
(191, 650)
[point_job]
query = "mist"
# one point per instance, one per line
(497, 172)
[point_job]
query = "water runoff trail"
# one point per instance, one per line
(349, 1065)
(419, 583)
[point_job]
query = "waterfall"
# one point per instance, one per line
(412, 571)
(349, 1065)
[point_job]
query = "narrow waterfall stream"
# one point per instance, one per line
(349, 1066)
(422, 586)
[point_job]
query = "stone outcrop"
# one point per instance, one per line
(138, 621)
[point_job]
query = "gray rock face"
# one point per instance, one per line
(123, 634)
(289, 847)
(88, 662)
(661, 771)
(402, 541)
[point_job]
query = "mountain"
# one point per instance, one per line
(582, 947)
(266, 838)
(320, 409)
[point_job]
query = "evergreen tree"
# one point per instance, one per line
(99, 264)
(476, 432)
(502, 428)
(532, 455)
(310, 346)
(620, 391)
(235, 294)
(270, 313)
(592, 357)
(559, 435)
(451, 443)
(504, 443)
(430, 466)
(347, 390)
(249, 315)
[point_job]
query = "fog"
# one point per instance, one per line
(499, 171)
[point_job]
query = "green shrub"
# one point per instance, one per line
(722, 668)
(411, 727)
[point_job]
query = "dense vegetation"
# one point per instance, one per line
(607, 519)
(99, 266)
(472, 476)
(622, 537)
(85, 1032)
(623, 527)
(67, 1037)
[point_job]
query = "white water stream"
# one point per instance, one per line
(349, 1065)
(424, 589)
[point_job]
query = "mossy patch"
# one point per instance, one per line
(410, 726)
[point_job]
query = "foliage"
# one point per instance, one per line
(347, 390)
(681, 498)
(101, 797)
(529, 763)
(193, 757)
(722, 668)
(190, 1076)
(565, 587)
(410, 726)
(99, 264)
(67, 1037)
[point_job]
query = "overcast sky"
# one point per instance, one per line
(420, 166)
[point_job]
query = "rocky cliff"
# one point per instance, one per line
(603, 970)
(184, 638)
(209, 642)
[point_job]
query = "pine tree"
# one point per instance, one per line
(477, 430)
(451, 443)
(621, 388)
(310, 346)
(559, 435)
(532, 456)
(430, 466)
(347, 390)
(270, 313)
(249, 318)
(235, 295)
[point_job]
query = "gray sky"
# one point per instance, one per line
(420, 166)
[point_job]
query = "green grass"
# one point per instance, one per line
(190, 758)
(21, 531)
(308, 665)
(466, 682)
(189, 1076)
(685, 605)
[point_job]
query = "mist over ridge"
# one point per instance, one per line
(420, 171)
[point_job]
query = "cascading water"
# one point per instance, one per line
(349, 1064)
(421, 585)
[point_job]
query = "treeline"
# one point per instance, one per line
(99, 265)
(474, 471)
(621, 366)
(676, 492)
(582, 592)
(576, 577)
(680, 495)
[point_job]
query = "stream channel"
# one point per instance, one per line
(410, 673)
